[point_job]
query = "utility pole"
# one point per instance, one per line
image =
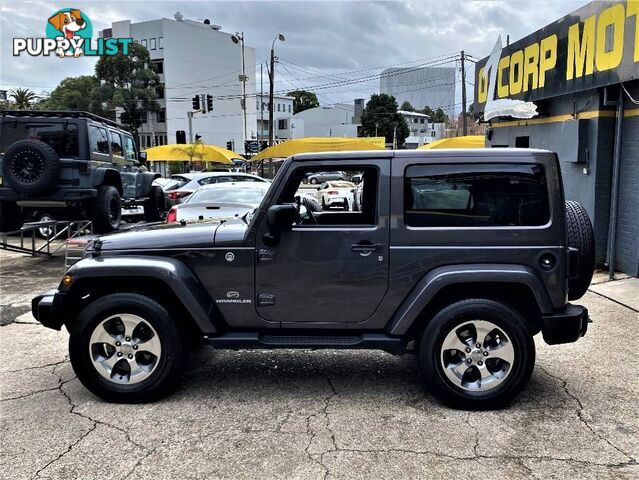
(463, 79)
(395, 136)
(244, 78)
(190, 115)
(271, 77)
(261, 105)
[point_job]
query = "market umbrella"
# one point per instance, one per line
(468, 141)
(199, 152)
(316, 144)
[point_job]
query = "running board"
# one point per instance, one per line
(249, 340)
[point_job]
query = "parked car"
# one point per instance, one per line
(462, 262)
(219, 201)
(72, 162)
(190, 182)
(340, 194)
(320, 177)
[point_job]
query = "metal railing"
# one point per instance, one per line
(59, 230)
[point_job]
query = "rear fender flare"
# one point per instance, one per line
(173, 273)
(434, 281)
(108, 176)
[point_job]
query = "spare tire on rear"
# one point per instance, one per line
(582, 237)
(30, 166)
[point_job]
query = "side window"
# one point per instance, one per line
(129, 148)
(116, 144)
(207, 180)
(476, 196)
(99, 140)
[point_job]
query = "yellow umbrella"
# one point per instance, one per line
(469, 141)
(198, 152)
(316, 144)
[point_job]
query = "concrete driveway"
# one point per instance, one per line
(299, 414)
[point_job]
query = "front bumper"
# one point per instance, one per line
(46, 309)
(565, 326)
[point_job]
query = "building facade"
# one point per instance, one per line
(418, 126)
(282, 114)
(195, 58)
(335, 121)
(430, 86)
(581, 90)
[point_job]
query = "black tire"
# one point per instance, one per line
(155, 206)
(313, 181)
(581, 236)
(467, 311)
(11, 218)
(44, 232)
(324, 207)
(169, 367)
(108, 210)
(30, 166)
(345, 204)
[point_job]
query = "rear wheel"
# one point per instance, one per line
(108, 210)
(155, 206)
(477, 354)
(346, 204)
(126, 348)
(44, 231)
(314, 181)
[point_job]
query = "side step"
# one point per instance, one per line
(249, 340)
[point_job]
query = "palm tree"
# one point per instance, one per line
(23, 98)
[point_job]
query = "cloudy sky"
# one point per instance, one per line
(322, 37)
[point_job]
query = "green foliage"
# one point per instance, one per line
(407, 107)
(76, 93)
(128, 82)
(436, 116)
(381, 115)
(303, 100)
(23, 98)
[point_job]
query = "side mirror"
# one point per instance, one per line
(142, 157)
(280, 218)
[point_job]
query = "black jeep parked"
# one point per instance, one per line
(71, 164)
(460, 256)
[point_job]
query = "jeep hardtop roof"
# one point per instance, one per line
(61, 115)
(472, 154)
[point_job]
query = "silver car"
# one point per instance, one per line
(321, 177)
(187, 183)
(219, 201)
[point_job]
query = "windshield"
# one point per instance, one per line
(231, 194)
(63, 139)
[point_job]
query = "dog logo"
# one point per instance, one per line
(69, 23)
(230, 256)
(69, 34)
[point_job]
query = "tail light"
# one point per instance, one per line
(176, 195)
(333, 192)
(171, 217)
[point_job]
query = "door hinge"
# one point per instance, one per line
(265, 300)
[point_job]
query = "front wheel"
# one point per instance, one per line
(477, 354)
(155, 205)
(126, 348)
(108, 210)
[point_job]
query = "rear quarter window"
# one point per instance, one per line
(511, 195)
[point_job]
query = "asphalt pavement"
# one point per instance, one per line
(322, 414)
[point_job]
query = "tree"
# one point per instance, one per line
(407, 107)
(76, 93)
(194, 151)
(435, 116)
(23, 98)
(303, 100)
(128, 82)
(380, 118)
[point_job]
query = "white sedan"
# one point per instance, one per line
(336, 193)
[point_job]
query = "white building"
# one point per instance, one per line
(421, 87)
(335, 121)
(418, 126)
(282, 114)
(194, 58)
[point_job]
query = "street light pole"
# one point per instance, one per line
(239, 38)
(271, 76)
(261, 130)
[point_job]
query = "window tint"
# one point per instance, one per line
(116, 144)
(99, 140)
(62, 138)
(476, 196)
(129, 148)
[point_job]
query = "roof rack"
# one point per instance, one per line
(58, 114)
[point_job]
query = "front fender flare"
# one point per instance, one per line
(173, 273)
(441, 277)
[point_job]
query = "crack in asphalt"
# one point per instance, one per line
(579, 412)
(36, 367)
(313, 434)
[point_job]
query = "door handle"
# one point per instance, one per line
(366, 249)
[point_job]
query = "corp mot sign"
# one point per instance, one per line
(594, 46)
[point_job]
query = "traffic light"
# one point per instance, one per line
(196, 102)
(229, 145)
(197, 137)
(180, 136)
(209, 103)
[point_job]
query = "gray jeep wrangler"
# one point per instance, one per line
(71, 165)
(459, 256)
